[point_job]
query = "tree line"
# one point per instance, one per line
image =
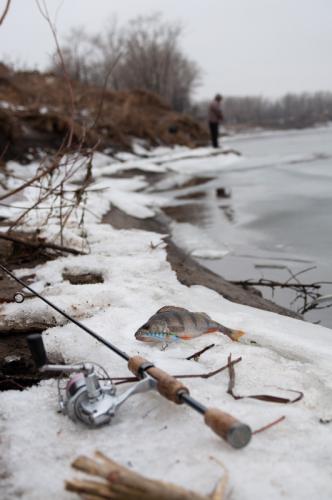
(146, 54)
(288, 111)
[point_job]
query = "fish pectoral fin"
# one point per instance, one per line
(170, 309)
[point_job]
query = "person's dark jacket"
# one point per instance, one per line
(215, 114)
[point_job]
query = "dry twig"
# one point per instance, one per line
(309, 293)
(268, 426)
(45, 14)
(261, 397)
(125, 380)
(197, 354)
(51, 178)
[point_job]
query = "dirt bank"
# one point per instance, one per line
(17, 369)
(37, 111)
(188, 271)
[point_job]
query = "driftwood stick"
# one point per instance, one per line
(40, 244)
(90, 466)
(125, 484)
(96, 488)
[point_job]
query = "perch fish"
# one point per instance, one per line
(172, 324)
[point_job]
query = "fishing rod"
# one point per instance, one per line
(86, 399)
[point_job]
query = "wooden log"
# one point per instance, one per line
(122, 483)
(14, 326)
(38, 243)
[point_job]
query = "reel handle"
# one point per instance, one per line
(37, 349)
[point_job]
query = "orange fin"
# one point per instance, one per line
(212, 330)
(236, 335)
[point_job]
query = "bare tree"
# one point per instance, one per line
(151, 59)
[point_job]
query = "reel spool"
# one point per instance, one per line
(88, 395)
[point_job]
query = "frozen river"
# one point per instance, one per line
(277, 217)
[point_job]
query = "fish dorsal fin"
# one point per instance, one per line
(205, 315)
(171, 309)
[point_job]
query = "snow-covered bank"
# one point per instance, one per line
(290, 460)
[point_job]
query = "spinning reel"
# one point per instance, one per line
(88, 394)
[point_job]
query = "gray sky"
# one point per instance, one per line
(255, 47)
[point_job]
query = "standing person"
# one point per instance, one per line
(215, 117)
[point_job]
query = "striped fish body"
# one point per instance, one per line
(171, 324)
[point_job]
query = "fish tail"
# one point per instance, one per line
(232, 334)
(236, 334)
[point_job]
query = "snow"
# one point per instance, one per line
(291, 460)
(197, 242)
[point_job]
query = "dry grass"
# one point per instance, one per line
(39, 116)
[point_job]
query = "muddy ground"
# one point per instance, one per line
(17, 369)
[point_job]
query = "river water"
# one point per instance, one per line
(275, 217)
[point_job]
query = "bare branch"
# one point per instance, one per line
(44, 12)
(5, 12)
(124, 380)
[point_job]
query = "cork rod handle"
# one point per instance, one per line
(236, 433)
(167, 386)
